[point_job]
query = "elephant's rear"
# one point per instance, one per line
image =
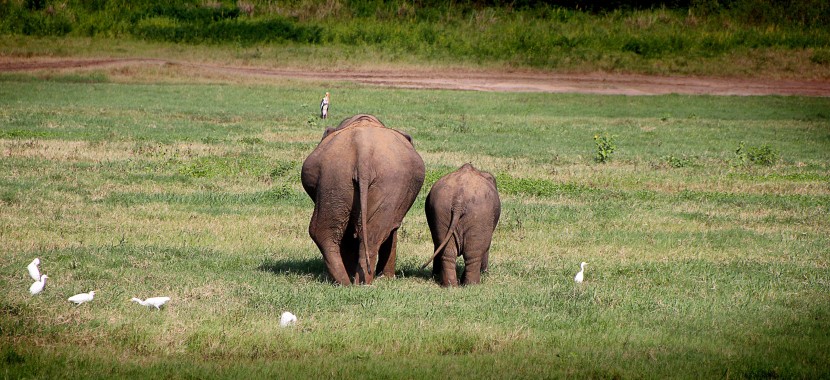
(462, 210)
(392, 167)
(393, 173)
(363, 177)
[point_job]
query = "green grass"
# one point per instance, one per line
(705, 268)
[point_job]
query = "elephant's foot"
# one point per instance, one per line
(363, 278)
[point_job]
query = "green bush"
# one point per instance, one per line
(605, 146)
(160, 29)
(761, 155)
(167, 29)
(18, 20)
(820, 57)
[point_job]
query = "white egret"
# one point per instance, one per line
(324, 107)
(153, 301)
(33, 269)
(287, 319)
(581, 275)
(81, 298)
(37, 287)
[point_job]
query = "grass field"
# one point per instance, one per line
(702, 265)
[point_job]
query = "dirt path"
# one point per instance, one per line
(598, 83)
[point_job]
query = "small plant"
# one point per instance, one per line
(764, 155)
(678, 162)
(740, 154)
(605, 147)
(252, 140)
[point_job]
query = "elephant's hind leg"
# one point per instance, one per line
(387, 255)
(485, 262)
(334, 262)
(448, 260)
(475, 263)
(328, 241)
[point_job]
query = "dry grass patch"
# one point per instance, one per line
(728, 186)
(103, 151)
(304, 136)
(65, 150)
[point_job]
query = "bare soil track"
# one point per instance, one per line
(454, 79)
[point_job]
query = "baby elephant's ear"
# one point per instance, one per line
(489, 177)
(408, 137)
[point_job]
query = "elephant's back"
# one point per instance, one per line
(465, 189)
(466, 182)
(367, 149)
(385, 146)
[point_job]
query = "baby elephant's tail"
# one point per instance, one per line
(456, 214)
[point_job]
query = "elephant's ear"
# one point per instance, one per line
(328, 131)
(489, 177)
(408, 137)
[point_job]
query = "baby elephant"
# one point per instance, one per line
(462, 210)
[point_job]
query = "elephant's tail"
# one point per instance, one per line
(456, 214)
(363, 187)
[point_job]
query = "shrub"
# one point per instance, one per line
(606, 146)
(48, 22)
(820, 57)
(762, 155)
(232, 30)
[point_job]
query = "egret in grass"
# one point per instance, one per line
(81, 298)
(37, 287)
(324, 107)
(581, 275)
(152, 301)
(33, 269)
(287, 319)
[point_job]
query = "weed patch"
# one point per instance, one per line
(761, 155)
(605, 147)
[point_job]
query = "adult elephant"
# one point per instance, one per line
(363, 178)
(462, 210)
